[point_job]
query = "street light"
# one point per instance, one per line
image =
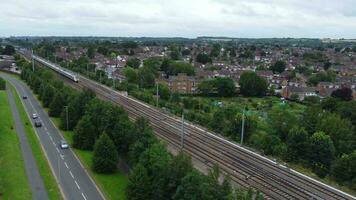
(66, 107)
(243, 126)
(182, 135)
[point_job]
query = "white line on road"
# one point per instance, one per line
(47, 132)
(66, 165)
(70, 172)
(50, 137)
(84, 196)
(77, 184)
(54, 144)
(57, 150)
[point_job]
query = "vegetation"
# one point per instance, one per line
(2, 84)
(278, 67)
(12, 173)
(252, 85)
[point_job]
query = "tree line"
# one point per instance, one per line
(106, 130)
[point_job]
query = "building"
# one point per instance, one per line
(181, 83)
(300, 92)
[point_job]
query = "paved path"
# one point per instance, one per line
(37, 187)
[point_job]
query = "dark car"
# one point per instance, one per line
(24, 97)
(38, 124)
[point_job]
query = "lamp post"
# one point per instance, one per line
(182, 135)
(66, 107)
(243, 126)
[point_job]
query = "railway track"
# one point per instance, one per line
(245, 167)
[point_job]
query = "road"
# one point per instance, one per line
(73, 179)
(38, 189)
(245, 167)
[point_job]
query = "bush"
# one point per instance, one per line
(2, 84)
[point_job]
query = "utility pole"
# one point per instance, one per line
(87, 70)
(157, 95)
(33, 61)
(182, 136)
(66, 107)
(243, 126)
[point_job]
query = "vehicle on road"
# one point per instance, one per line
(24, 97)
(63, 144)
(38, 124)
(34, 116)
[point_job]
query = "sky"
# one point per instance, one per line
(179, 18)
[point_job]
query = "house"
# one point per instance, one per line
(300, 92)
(267, 74)
(181, 83)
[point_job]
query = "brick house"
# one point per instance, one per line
(302, 92)
(181, 83)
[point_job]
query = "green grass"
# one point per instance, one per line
(112, 185)
(13, 179)
(42, 163)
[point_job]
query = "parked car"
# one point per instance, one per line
(63, 144)
(34, 116)
(38, 124)
(24, 97)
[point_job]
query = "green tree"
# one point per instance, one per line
(174, 52)
(252, 85)
(278, 67)
(225, 87)
(203, 58)
(281, 120)
(57, 104)
(91, 52)
(105, 156)
(164, 92)
(2, 84)
(9, 50)
(192, 187)
(297, 144)
(341, 132)
(133, 63)
(146, 77)
(206, 87)
(180, 67)
(139, 184)
(84, 134)
(344, 93)
(344, 169)
(131, 75)
(321, 155)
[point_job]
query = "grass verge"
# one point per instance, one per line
(13, 178)
(42, 163)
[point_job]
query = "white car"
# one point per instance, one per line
(63, 144)
(34, 116)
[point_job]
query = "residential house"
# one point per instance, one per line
(181, 83)
(301, 92)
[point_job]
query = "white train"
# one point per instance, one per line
(56, 68)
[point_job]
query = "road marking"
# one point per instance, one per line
(57, 149)
(47, 132)
(45, 128)
(54, 144)
(70, 172)
(77, 185)
(50, 137)
(84, 196)
(66, 165)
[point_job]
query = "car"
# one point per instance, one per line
(34, 116)
(38, 124)
(24, 97)
(63, 144)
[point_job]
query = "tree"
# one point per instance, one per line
(139, 184)
(180, 67)
(297, 144)
(203, 58)
(344, 169)
(344, 93)
(57, 104)
(84, 134)
(186, 52)
(105, 156)
(164, 92)
(91, 52)
(174, 52)
(321, 155)
(206, 87)
(281, 120)
(340, 130)
(252, 85)
(133, 62)
(225, 87)
(131, 75)
(9, 50)
(191, 188)
(347, 109)
(278, 67)
(146, 78)
(327, 65)
(2, 84)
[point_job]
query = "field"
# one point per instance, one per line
(13, 180)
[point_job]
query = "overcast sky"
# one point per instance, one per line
(182, 18)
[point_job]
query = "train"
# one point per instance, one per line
(58, 69)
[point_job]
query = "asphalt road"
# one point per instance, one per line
(35, 180)
(73, 179)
